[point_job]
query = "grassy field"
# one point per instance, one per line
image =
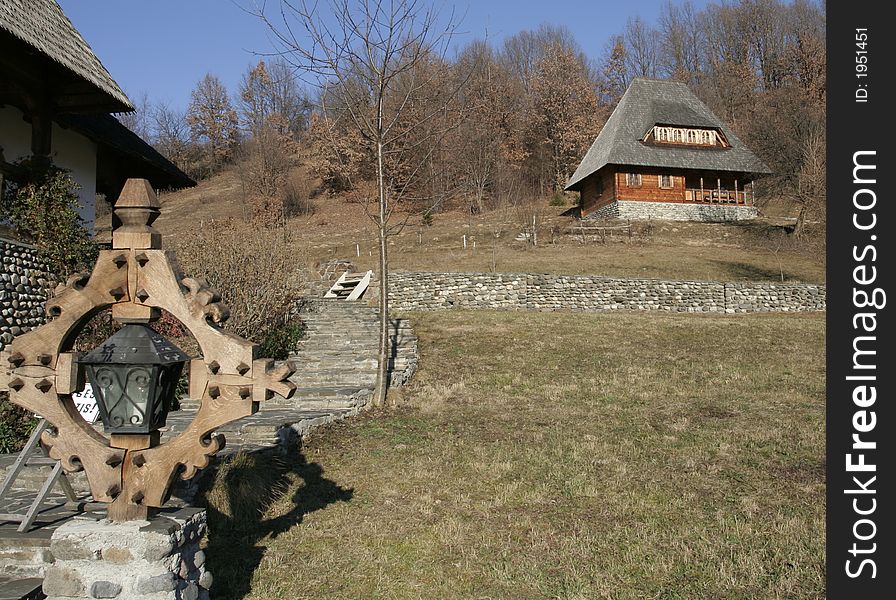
(553, 455)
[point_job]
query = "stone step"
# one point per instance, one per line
(326, 392)
(322, 404)
(21, 588)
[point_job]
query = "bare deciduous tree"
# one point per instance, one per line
(212, 120)
(565, 109)
(641, 40)
(269, 95)
(361, 51)
(172, 135)
(138, 121)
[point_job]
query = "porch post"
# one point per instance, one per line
(719, 188)
(736, 199)
(702, 197)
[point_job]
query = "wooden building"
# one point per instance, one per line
(55, 101)
(664, 155)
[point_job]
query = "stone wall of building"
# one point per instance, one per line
(673, 211)
(25, 284)
(527, 291)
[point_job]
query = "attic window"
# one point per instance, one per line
(686, 135)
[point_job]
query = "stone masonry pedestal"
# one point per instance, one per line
(134, 560)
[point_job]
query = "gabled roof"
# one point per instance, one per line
(42, 25)
(649, 102)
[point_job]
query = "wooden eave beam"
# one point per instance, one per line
(36, 73)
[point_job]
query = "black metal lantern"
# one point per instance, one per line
(134, 375)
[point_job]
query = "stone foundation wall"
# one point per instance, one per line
(135, 560)
(25, 284)
(527, 291)
(672, 211)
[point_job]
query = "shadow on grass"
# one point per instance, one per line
(237, 496)
(751, 272)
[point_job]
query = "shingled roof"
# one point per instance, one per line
(649, 102)
(42, 25)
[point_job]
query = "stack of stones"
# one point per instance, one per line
(25, 284)
(156, 560)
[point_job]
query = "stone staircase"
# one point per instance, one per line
(335, 376)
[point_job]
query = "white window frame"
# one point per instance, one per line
(671, 179)
(633, 179)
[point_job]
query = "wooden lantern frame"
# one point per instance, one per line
(137, 279)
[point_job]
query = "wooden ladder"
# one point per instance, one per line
(350, 286)
(27, 458)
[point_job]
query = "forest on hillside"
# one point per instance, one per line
(481, 125)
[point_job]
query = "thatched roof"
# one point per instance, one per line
(650, 102)
(43, 26)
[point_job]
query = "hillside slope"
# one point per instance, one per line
(339, 229)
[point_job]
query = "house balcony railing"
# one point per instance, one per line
(717, 196)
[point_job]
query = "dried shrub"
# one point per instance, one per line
(297, 198)
(241, 490)
(259, 274)
(364, 192)
(267, 211)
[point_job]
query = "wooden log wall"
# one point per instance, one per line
(598, 191)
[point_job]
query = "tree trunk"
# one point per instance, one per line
(800, 223)
(382, 374)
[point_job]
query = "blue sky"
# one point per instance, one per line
(163, 47)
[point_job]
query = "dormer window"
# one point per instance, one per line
(666, 134)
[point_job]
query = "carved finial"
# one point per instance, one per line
(135, 210)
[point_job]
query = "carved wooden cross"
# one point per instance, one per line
(137, 279)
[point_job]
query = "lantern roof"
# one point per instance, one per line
(136, 343)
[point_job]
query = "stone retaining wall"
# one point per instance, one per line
(673, 211)
(527, 291)
(25, 285)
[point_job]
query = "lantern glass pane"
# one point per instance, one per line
(125, 392)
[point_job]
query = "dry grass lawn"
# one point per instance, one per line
(555, 455)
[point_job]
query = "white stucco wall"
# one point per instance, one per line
(69, 150)
(76, 153)
(15, 134)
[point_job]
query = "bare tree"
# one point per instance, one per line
(367, 53)
(614, 71)
(681, 42)
(138, 121)
(811, 190)
(565, 110)
(172, 135)
(269, 95)
(642, 44)
(213, 120)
